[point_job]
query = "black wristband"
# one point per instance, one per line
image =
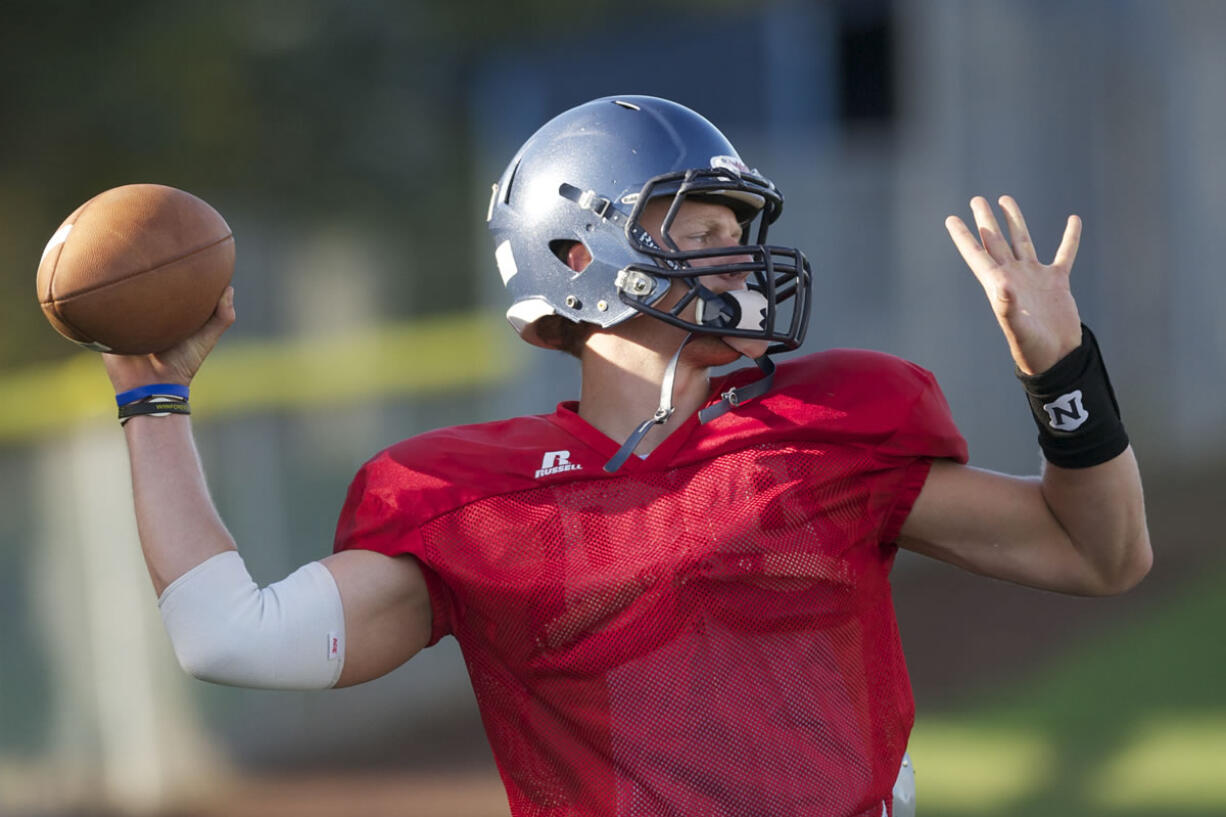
(1075, 408)
(160, 407)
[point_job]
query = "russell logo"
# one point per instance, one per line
(555, 462)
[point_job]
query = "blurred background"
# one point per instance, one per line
(351, 146)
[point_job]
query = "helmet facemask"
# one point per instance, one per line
(776, 274)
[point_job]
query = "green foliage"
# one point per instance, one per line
(1087, 736)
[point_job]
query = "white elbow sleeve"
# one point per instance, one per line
(225, 629)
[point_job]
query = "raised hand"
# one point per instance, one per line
(1032, 301)
(178, 364)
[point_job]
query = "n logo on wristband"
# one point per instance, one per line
(1066, 412)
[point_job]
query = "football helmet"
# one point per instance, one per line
(586, 176)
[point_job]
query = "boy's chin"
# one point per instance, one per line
(751, 348)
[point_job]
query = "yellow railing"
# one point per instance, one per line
(420, 357)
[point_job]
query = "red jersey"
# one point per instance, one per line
(708, 631)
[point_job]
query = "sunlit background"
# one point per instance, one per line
(351, 146)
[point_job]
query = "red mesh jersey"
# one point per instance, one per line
(708, 631)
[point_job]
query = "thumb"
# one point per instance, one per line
(188, 357)
(223, 318)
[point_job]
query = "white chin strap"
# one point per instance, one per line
(735, 309)
(661, 416)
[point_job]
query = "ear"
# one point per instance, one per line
(578, 257)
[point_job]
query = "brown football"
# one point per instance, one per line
(136, 269)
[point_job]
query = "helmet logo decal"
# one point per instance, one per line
(731, 163)
(506, 262)
(643, 237)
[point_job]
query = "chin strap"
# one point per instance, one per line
(659, 418)
(733, 397)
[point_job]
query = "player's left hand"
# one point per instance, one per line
(1032, 301)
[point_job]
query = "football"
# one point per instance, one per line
(136, 269)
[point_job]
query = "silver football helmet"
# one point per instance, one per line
(585, 177)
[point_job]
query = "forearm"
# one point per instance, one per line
(1102, 510)
(289, 635)
(178, 524)
(224, 628)
(1077, 531)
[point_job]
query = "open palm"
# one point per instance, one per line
(1032, 301)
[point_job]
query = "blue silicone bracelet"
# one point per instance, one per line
(152, 390)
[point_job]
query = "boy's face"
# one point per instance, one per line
(703, 225)
(699, 225)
